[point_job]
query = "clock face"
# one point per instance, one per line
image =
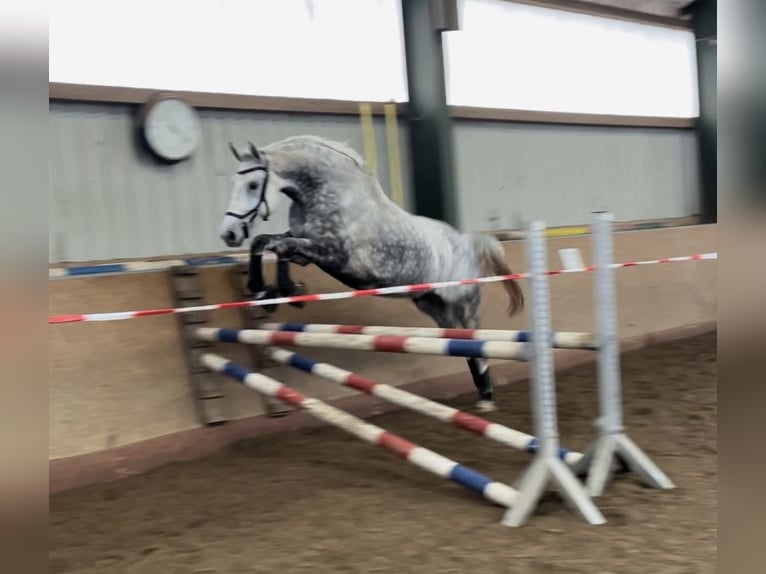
(172, 129)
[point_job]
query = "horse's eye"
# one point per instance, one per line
(253, 185)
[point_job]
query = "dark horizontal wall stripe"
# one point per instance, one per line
(532, 116)
(121, 95)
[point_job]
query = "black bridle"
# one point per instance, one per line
(248, 217)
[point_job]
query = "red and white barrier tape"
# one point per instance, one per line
(398, 289)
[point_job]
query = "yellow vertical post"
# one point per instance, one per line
(394, 166)
(368, 137)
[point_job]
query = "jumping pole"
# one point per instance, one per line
(428, 460)
(379, 343)
(446, 414)
(559, 339)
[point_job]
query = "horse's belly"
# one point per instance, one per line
(351, 280)
(388, 264)
(365, 281)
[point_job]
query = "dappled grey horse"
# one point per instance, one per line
(341, 221)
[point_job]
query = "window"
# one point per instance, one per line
(517, 56)
(294, 48)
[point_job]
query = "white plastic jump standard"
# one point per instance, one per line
(612, 442)
(546, 465)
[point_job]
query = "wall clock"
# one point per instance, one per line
(170, 128)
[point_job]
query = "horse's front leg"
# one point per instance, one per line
(304, 251)
(285, 285)
(255, 282)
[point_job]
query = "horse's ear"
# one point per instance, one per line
(234, 151)
(254, 151)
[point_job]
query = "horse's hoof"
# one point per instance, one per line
(298, 289)
(268, 292)
(486, 406)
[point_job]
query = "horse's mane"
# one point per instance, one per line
(312, 140)
(318, 144)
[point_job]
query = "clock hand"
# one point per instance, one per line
(174, 128)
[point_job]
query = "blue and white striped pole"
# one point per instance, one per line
(424, 458)
(446, 414)
(380, 343)
(560, 339)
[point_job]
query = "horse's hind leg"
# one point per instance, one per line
(467, 312)
(481, 379)
(434, 306)
(463, 314)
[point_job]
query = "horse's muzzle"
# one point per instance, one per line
(231, 239)
(233, 232)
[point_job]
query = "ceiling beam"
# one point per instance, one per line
(613, 12)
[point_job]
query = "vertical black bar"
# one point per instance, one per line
(430, 125)
(704, 14)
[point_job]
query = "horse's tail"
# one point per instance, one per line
(492, 258)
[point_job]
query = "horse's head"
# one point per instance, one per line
(254, 189)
